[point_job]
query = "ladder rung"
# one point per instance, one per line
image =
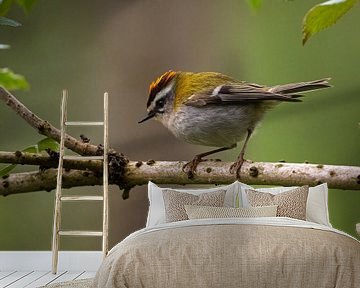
(79, 157)
(82, 198)
(83, 123)
(80, 233)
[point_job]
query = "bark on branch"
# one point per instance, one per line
(45, 181)
(44, 127)
(210, 172)
(48, 161)
(262, 173)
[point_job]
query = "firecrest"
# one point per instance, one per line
(213, 109)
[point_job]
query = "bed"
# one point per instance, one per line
(234, 251)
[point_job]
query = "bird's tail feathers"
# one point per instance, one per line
(294, 88)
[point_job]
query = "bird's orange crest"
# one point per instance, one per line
(159, 84)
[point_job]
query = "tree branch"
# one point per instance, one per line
(48, 161)
(45, 181)
(209, 172)
(44, 127)
(261, 173)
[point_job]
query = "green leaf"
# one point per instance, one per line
(9, 22)
(5, 6)
(6, 171)
(42, 145)
(31, 149)
(12, 81)
(26, 5)
(324, 15)
(48, 143)
(255, 4)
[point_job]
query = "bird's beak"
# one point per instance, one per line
(149, 116)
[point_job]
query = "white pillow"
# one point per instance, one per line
(316, 207)
(156, 214)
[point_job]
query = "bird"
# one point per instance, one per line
(212, 109)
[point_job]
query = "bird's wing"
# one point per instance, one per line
(236, 94)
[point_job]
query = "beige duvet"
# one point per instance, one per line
(233, 254)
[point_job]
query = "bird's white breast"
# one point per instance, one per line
(212, 125)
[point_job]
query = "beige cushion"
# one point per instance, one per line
(156, 213)
(317, 202)
(174, 202)
(201, 212)
(290, 203)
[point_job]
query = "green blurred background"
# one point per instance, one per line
(90, 47)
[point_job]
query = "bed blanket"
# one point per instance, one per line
(254, 252)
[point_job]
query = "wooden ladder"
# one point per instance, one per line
(57, 232)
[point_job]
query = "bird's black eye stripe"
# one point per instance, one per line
(160, 102)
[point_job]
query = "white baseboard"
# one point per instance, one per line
(41, 260)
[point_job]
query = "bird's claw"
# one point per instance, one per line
(236, 167)
(190, 167)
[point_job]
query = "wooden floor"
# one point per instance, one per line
(20, 269)
(32, 279)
